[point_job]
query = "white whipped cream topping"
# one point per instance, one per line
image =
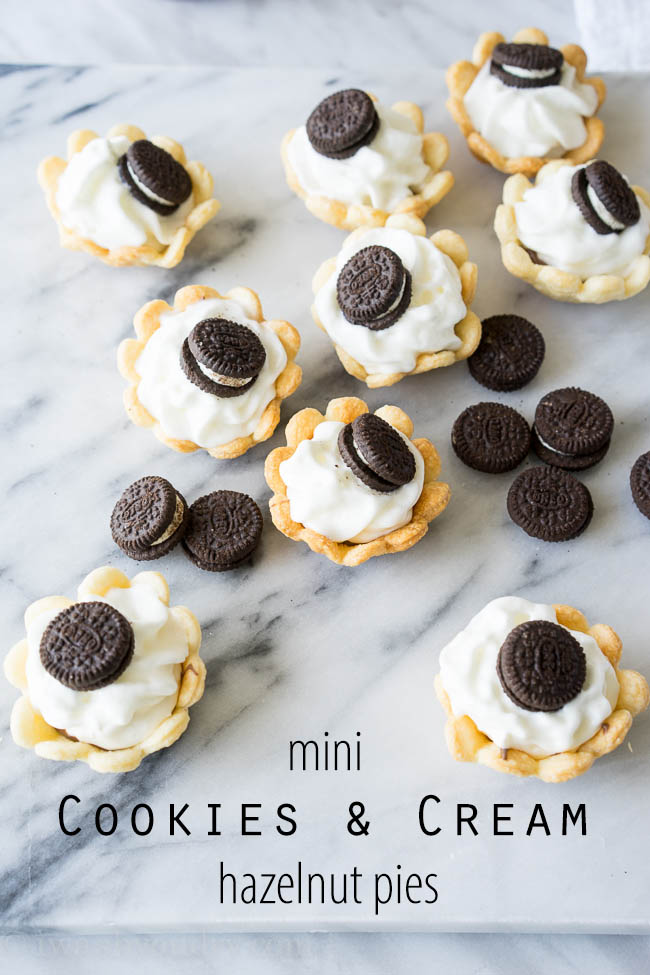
(428, 323)
(186, 412)
(469, 676)
(530, 121)
(94, 201)
(327, 497)
(126, 711)
(550, 223)
(380, 174)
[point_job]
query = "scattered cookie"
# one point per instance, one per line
(572, 428)
(221, 357)
(87, 646)
(224, 530)
(149, 519)
(154, 177)
(604, 197)
(374, 288)
(526, 65)
(640, 483)
(490, 437)
(342, 123)
(509, 354)
(376, 453)
(549, 504)
(541, 666)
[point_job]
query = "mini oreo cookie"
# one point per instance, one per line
(527, 65)
(222, 357)
(549, 504)
(87, 646)
(541, 666)
(573, 428)
(376, 453)
(374, 288)
(149, 519)
(224, 529)
(509, 354)
(613, 192)
(154, 177)
(491, 437)
(342, 123)
(640, 483)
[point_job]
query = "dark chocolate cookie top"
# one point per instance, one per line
(374, 288)
(87, 646)
(640, 483)
(342, 123)
(224, 529)
(376, 453)
(612, 191)
(154, 177)
(222, 357)
(491, 437)
(149, 519)
(509, 354)
(573, 421)
(549, 504)
(541, 666)
(527, 65)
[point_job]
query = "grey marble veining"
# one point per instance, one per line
(294, 645)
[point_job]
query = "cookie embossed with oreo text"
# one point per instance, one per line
(549, 504)
(87, 646)
(154, 177)
(374, 288)
(604, 197)
(224, 529)
(149, 519)
(491, 437)
(640, 483)
(526, 65)
(342, 124)
(376, 453)
(541, 666)
(222, 357)
(572, 428)
(509, 354)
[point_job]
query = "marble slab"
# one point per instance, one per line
(296, 646)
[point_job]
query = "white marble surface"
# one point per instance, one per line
(278, 667)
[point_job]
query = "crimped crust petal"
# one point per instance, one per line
(147, 321)
(204, 209)
(468, 329)
(461, 75)
(30, 730)
(348, 216)
(467, 744)
(549, 280)
(432, 501)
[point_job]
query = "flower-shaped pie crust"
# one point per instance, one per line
(432, 501)
(467, 743)
(349, 216)
(30, 730)
(147, 321)
(468, 329)
(461, 75)
(163, 255)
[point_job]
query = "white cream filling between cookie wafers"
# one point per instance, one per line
(602, 211)
(216, 377)
(179, 511)
(527, 72)
(468, 669)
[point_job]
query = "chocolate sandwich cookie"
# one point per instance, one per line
(527, 65)
(572, 428)
(221, 357)
(376, 453)
(640, 483)
(619, 206)
(541, 666)
(549, 504)
(509, 354)
(154, 177)
(490, 437)
(149, 519)
(342, 123)
(374, 288)
(87, 646)
(224, 529)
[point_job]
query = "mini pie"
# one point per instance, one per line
(174, 394)
(340, 186)
(337, 487)
(585, 694)
(135, 225)
(543, 117)
(156, 662)
(441, 282)
(619, 257)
